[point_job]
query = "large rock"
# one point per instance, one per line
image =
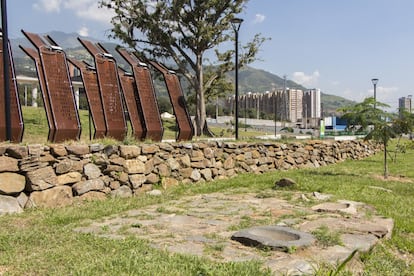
(11, 183)
(8, 164)
(18, 152)
(134, 166)
(54, 197)
(69, 178)
(92, 171)
(129, 152)
(9, 205)
(123, 191)
(58, 150)
(89, 185)
(167, 182)
(68, 165)
(285, 182)
(78, 150)
(150, 149)
(41, 179)
(137, 180)
(91, 196)
(173, 163)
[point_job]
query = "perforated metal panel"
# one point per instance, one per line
(93, 96)
(57, 87)
(185, 127)
(15, 110)
(133, 105)
(107, 73)
(147, 97)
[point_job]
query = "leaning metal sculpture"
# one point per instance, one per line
(146, 94)
(56, 85)
(133, 104)
(15, 109)
(93, 96)
(185, 127)
(107, 72)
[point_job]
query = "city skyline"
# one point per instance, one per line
(335, 46)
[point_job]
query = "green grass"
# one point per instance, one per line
(42, 241)
(36, 129)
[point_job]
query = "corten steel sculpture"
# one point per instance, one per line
(57, 88)
(133, 105)
(93, 96)
(15, 109)
(107, 72)
(146, 94)
(185, 127)
(34, 55)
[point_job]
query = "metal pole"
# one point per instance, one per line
(7, 104)
(245, 113)
(236, 123)
(274, 106)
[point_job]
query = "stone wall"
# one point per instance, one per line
(56, 175)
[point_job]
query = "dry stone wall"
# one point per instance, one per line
(56, 175)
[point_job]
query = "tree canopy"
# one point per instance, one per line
(181, 32)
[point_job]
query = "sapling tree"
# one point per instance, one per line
(368, 116)
(182, 32)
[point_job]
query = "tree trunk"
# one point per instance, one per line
(200, 102)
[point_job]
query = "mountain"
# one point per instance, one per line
(250, 79)
(257, 80)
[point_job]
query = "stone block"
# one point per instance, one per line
(11, 183)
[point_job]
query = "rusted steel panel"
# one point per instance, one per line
(59, 88)
(90, 82)
(185, 127)
(15, 109)
(61, 94)
(34, 55)
(147, 97)
(133, 105)
(107, 72)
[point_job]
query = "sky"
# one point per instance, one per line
(337, 46)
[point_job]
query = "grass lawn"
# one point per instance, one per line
(42, 241)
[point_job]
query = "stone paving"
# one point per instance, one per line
(203, 225)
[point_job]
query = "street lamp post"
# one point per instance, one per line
(236, 23)
(374, 82)
(6, 75)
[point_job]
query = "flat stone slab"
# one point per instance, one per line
(274, 237)
(206, 226)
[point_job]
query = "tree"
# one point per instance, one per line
(182, 32)
(367, 116)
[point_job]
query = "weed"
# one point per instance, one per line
(327, 238)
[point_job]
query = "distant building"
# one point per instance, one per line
(312, 108)
(289, 105)
(404, 104)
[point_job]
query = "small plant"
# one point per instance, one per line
(327, 238)
(136, 225)
(291, 249)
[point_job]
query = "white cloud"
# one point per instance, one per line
(306, 80)
(84, 9)
(89, 9)
(259, 18)
(84, 31)
(48, 5)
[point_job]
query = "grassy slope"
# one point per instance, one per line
(42, 241)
